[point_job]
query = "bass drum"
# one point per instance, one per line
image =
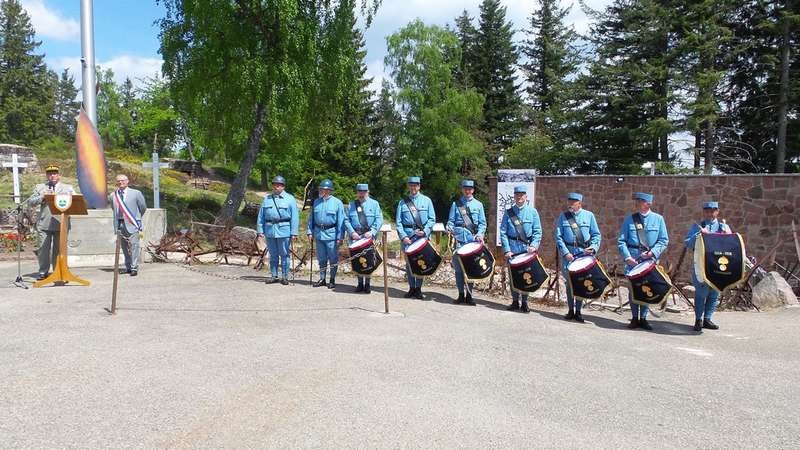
(368, 259)
(527, 273)
(477, 262)
(422, 258)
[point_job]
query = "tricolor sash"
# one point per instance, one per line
(126, 212)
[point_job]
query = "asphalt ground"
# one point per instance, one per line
(195, 361)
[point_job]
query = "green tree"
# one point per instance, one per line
(385, 125)
(493, 70)
(112, 118)
(552, 62)
(27, 87)
(66, 107)
(630, 86)
(467, 37)
(437, 140)
(155, 127)
(238, 67)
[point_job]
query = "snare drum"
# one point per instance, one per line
(477, 262)
(422, 258)
(588, 279)
(368, 259)
(650, 284)
(527, 273)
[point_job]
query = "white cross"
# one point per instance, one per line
(15, 166)
(156, 166)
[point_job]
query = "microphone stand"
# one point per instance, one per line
(19, 281)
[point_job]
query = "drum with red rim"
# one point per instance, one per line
(477, 262)
(527, 273)
(422, 258)
(650, 284)
(588, 279)
(368, 259)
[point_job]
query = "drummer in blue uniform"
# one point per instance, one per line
(364, 220)
(326, 227)
(577, 234)
(705, 298)
(514, 244)
(654, 230)
(411, 227)
(278, 221)
(466, 223)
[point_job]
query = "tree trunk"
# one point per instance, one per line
(783, 102)
(709, 138)
(230, 209)
(698, 141)
(264, 178)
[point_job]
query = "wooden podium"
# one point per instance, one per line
(64, 205)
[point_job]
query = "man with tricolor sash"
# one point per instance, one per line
(128, 206)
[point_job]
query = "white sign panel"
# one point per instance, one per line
(506, 180)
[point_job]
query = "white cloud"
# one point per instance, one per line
(50, 23)
(137, 68)
(376, 71)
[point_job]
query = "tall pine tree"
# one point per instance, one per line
(552, 61)
(631, 85)
(27, 87)
(493, 64)
(66, 107)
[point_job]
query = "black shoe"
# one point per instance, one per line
(284, 281)
(579, 318)
(271, 280)
(134, 273)
(359, 288)
(319, 283)
(459, 300)
(124, 271)
(367, 289)
(634, 324)
(514, 306)
(409, 294)
(698, 325)
(570, 315)
(644, 324)
(524, 308)
(332, 285)
(468, 300)
(710, 325)
(418, 294)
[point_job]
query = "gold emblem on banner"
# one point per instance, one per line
(528, 278)
(421, 264)
(723, 263)
(588, 285)
(647, 291)
(482, 263)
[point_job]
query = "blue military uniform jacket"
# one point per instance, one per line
(565, 238)
(714, 226)
(405, 220)
(326, 220)
(655, 230)
(278, 216)
(455, 220)
(531, 224)
(372, 212)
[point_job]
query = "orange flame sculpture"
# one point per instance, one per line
(91, 163)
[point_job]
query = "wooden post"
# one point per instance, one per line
(796, 241)
(385, 272)
(113, 309)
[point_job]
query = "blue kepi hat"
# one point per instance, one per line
(279, 180)
(412, 180)
(643, 196)
(711, 205)
(468, 184)
(575, 196)
(326, 184)
(521, 189)
(362, 187)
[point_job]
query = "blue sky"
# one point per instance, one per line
(126, 39)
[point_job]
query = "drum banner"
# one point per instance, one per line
(484, 267)
(652, 289)
(719, 260)
(529, 279)
(367, 262)
(591, 284)
(424, 264)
